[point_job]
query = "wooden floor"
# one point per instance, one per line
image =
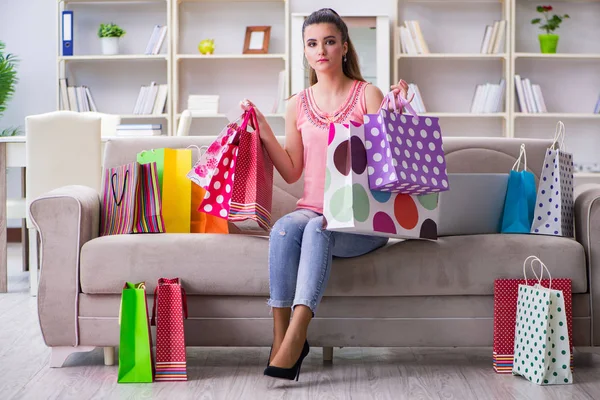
(236, 373)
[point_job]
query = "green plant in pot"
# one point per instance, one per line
(110, 34)
(8, 80)
(548, 40)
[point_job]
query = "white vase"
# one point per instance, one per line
(110, 45)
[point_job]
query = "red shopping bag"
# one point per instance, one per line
(241, 187)
(171, 362)
(253, 186)
(505, 315)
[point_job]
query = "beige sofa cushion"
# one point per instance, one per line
(237, 264)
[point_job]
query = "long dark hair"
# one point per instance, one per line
(328, 16)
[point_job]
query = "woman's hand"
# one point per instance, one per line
(402, 89)
(247, 104)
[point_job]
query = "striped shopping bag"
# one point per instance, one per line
(168, 313)
(131, 201)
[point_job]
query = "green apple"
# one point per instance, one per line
(206, 46)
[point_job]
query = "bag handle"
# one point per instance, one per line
(542, 268)
(397, 104)
(250, 117)
(559, 136)
(200, 153)
(112, 184)
(522, 156)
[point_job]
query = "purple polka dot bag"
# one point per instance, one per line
(405, 152)
(554, 206)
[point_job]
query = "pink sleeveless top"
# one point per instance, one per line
(313, 125)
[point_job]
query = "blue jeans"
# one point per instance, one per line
(300, 254)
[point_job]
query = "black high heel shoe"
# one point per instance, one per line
(288, 373)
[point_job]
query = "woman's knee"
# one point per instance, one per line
(290, 224)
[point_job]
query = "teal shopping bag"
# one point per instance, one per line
(519, 203)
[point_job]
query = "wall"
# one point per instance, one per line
(31, 36)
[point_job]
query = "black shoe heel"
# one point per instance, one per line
(288, 373)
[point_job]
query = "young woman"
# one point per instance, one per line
(301, 251)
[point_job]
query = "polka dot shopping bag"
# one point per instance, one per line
(554, 208)
(351, 206)
(168, 313)
(542, 340)
(405, 152)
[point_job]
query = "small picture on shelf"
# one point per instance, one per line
(257, 40)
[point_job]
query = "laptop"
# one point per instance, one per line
(473, 205)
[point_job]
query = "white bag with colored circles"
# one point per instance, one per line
(351, 206)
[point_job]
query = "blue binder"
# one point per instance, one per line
(67, 33)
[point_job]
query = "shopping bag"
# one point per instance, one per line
(505, 310)
(205, 168)
(168, 312)
(519, 202)
(405, 152)
(351, 206)
(202, 222)
(250, 206)
(554, 210)
(542, 351)
(176, 189)
(131, 201)
(135, 339)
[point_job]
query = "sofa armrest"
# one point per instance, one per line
(587, 232)
(66, 218)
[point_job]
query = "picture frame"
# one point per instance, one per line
(257, 40)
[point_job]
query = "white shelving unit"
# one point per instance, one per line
(228, 72)
(115, 80)
(448, 75)
(569, 79)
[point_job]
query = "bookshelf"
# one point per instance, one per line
(228, 73)
(114, 81)
(452, 63)
(569, 79)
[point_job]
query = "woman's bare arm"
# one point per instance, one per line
(288, 159)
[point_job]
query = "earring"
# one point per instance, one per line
(345, 59)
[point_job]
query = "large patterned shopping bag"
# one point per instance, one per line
(519, 202)
(131, 201)
(135, 339)
(542, 339)
(554, 209)
(351, 206)
(168, 312)
(505, 310)
(175, 187)
(405, 152)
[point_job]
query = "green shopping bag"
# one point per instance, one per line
(135, 342)
(542, 351)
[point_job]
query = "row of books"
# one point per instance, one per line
(493, 38)
(488, 98)
(152, 99)
(75, 98)
(411, 38)
(156, 40)
(417, 103)
(530, 97)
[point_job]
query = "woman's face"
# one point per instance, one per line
(323, 47)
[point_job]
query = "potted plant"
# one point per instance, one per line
(8, 80)
(109, 34)
(548, 40)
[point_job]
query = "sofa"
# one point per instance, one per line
(408, 293)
